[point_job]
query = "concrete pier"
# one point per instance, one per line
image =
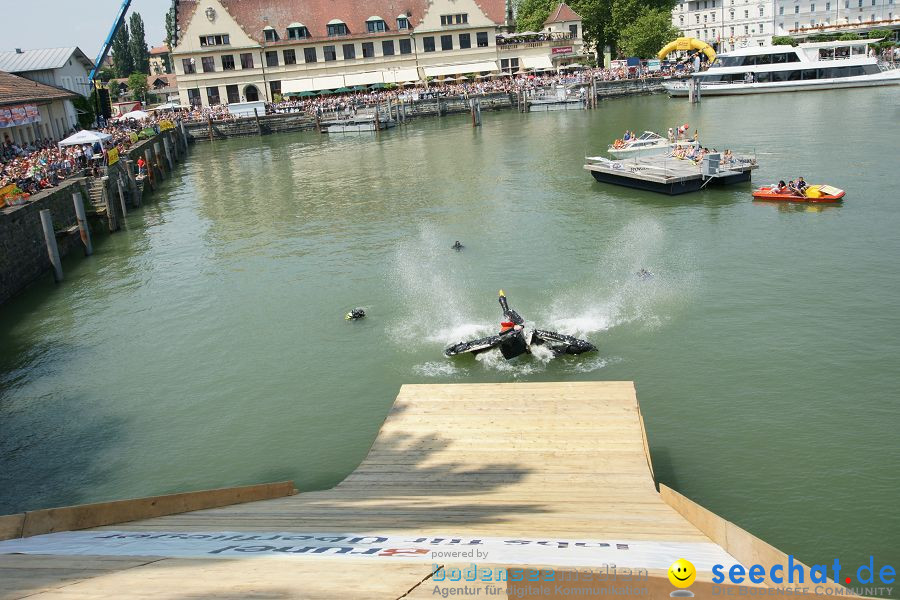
(460, 467)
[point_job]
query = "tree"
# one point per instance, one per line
(783, 40)
(171, 26)
(114, 91)
(531, 14)
(596, 24)
(648, 33)
(122, 60)
(105, 74)
(848, 37)
(137, 43)
(137, 85)
(84, 108)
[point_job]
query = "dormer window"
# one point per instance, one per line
(375, 24)
(297, 31)
(270, 33)
(402, 22)
(337, 27)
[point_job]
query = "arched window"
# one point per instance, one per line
(337, 27)
(375, 24)
(297, 31)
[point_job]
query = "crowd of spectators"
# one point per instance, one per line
(472, 86)
(43, 164)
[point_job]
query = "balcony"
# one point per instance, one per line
(512, 44)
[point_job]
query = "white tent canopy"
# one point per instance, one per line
(85, 136)
(537, 62)
(137, 115)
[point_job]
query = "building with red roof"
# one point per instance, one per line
(247, 50)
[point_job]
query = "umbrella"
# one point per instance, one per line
(524, 33)
(407, 83)
(378, 86)
(342, 90)
(167, 106)
(359, 88)
(502, 74)
(306, 94)
(325, 92)
(85, 137)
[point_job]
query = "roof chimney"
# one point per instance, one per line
(19, 51)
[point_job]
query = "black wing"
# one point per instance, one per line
(474, 346)
(561, 343)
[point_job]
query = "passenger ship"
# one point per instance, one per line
(809, 66)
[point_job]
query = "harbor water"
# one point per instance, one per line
(205, 346)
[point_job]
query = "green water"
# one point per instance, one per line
(205, 345)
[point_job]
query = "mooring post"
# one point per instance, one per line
(168, 153)
(184, 138)
(121, 189)
(209, 127)
(258, 126)
(377, 122)
(478, 110)
(132, 184)
(110, 207)
(83, 229)
(148, 176)
(52, 248)
(158, 155)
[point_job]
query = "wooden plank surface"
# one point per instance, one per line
(537, 460)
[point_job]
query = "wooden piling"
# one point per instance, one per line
(81, 219)
(52, 248)
(184, 137)
(132, 184)
(158, 160)
(209, 127)
(258, 126)
(121, 190)
(110, 207)
(168, 151)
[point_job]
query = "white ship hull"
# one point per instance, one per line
(892, 77)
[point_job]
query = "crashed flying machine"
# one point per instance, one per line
(513, 340)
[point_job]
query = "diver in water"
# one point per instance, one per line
(355, 314)
(513, 340)
(645, 274)
(457, 246)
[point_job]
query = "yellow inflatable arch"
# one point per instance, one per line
(686, 43)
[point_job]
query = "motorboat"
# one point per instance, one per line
(647, 144)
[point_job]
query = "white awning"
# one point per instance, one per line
(330, 82)
(400, 75)
(367, 78)
(461, 69)
(295, 86)
(537, 62)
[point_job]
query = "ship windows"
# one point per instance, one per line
(808, 74)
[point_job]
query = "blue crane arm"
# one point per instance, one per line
(104, 50)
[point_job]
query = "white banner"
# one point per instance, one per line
(447, 549)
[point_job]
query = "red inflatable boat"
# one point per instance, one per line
(814, 193)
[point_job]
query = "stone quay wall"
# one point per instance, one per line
(23, 251)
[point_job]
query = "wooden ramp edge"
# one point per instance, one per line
(87, 516)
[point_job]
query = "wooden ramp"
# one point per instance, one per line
(535, 460)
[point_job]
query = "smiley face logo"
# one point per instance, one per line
(682, 573)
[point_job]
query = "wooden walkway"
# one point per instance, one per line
(542, 460)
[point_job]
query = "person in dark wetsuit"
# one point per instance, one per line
(457, 246)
